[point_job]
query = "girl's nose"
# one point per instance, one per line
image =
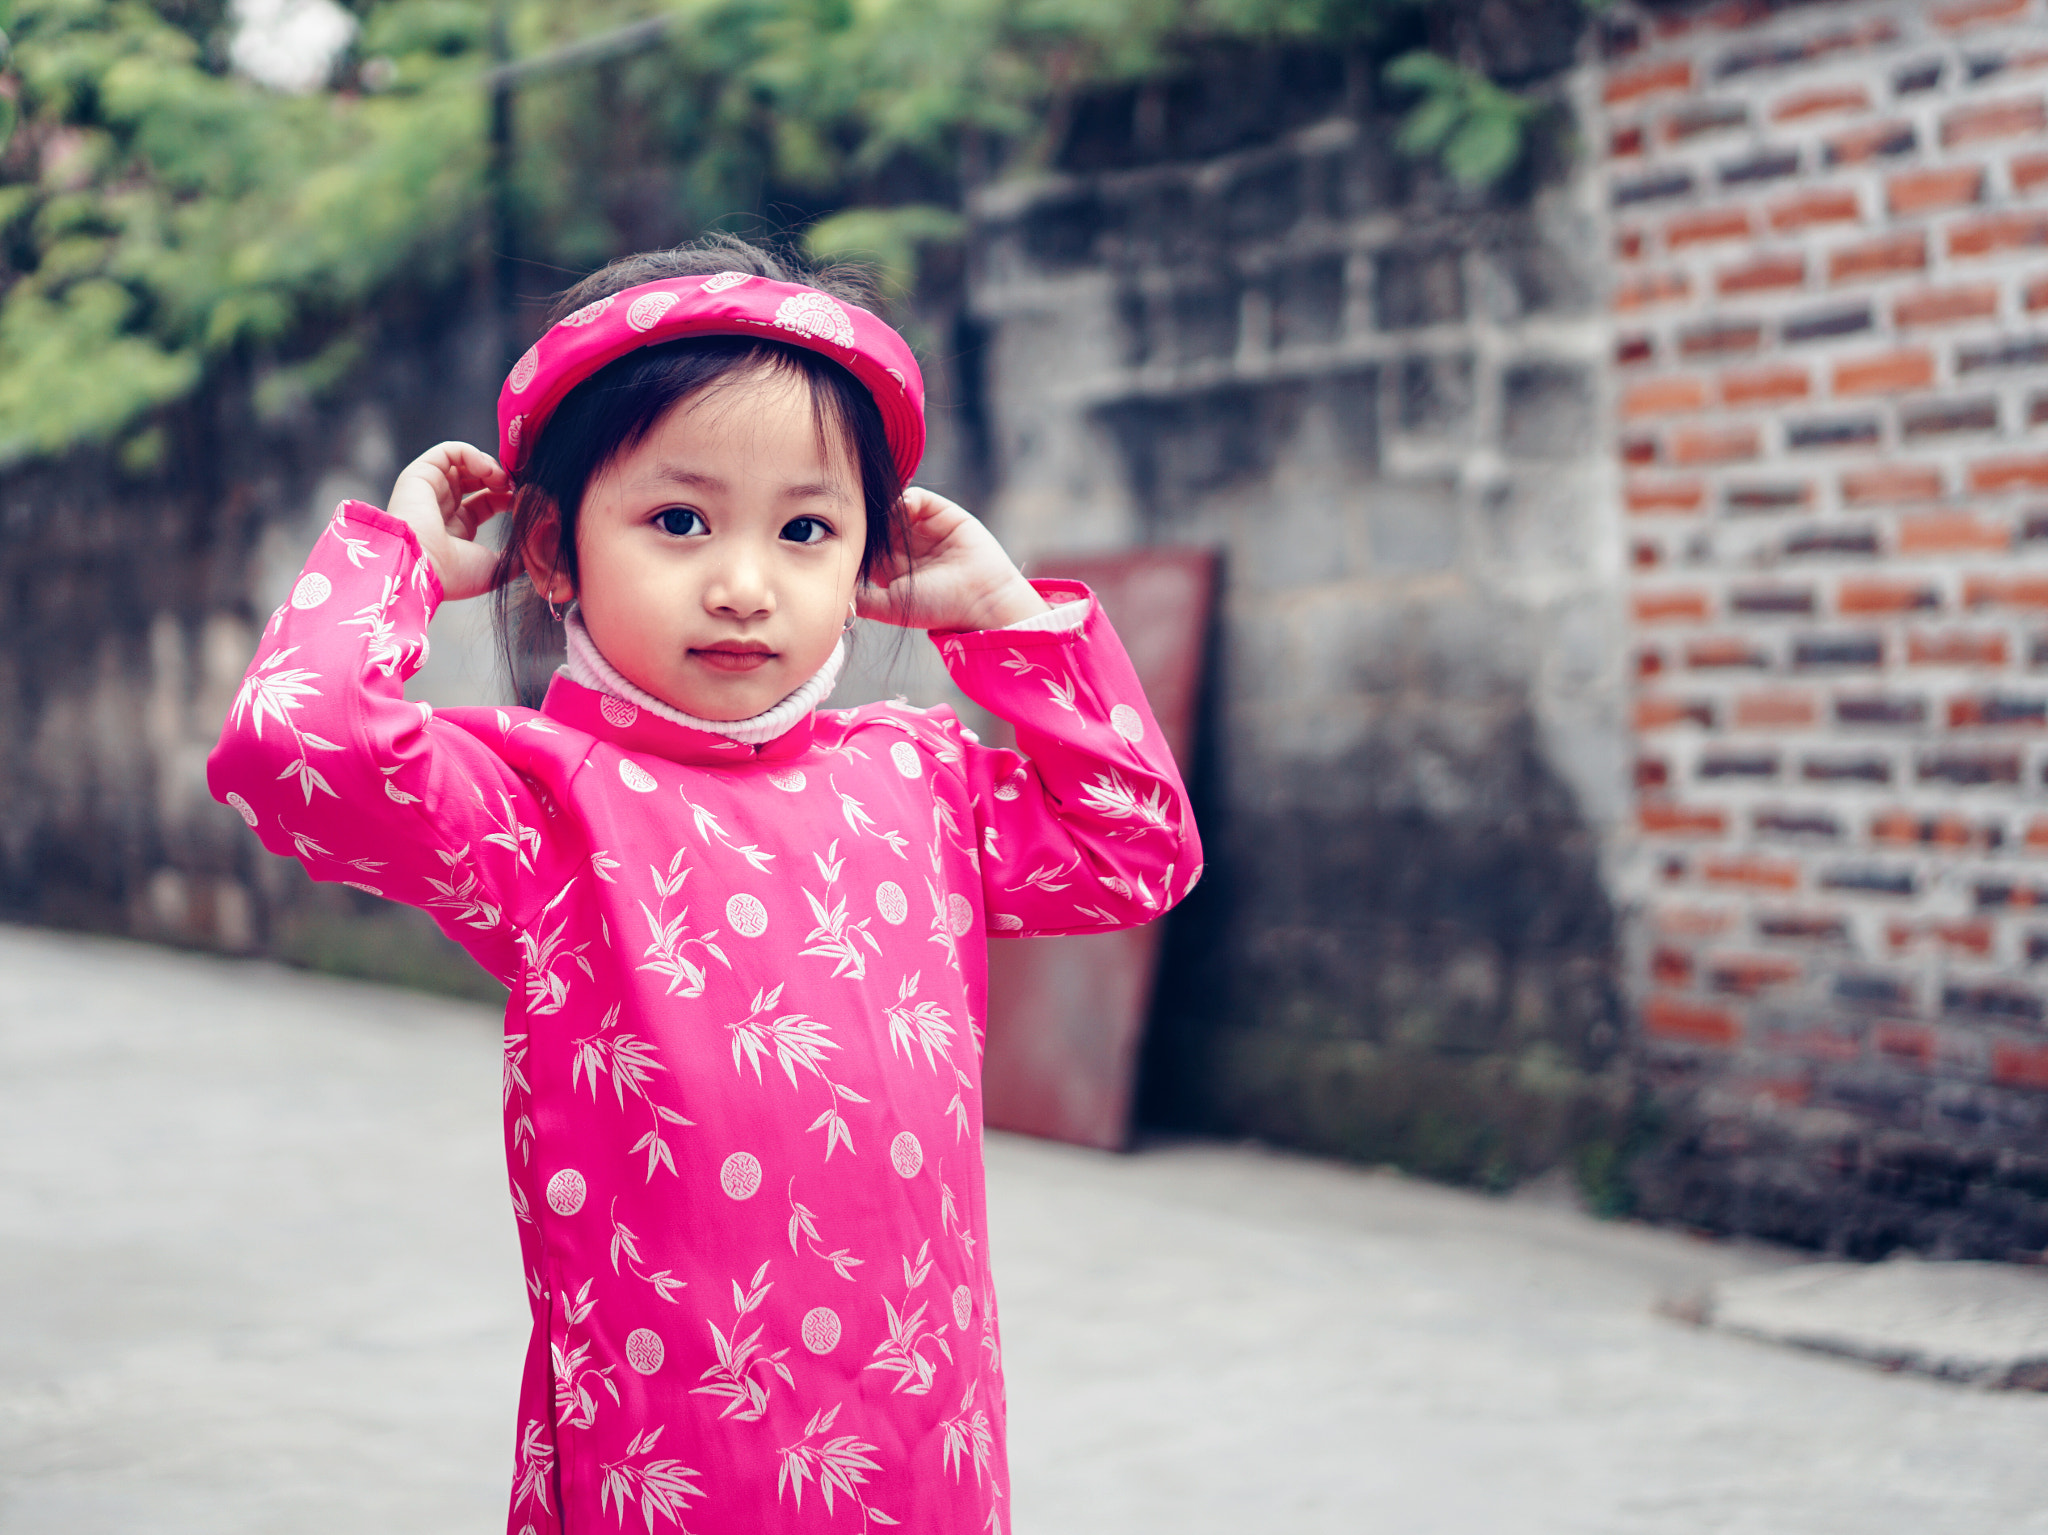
(739, 588)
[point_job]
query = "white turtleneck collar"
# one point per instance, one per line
(588, 667)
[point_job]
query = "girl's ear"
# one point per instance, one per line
(540, 552)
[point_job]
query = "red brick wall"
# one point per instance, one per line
(1831, 308)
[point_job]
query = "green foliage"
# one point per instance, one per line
(1477, 130)
(160, 214)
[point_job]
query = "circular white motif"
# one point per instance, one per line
(312, 590)
(523, 371)
(959, 914)
(904, 755)
(749, 918)
(242, 806)
(724, 280)
(366, 889)
(618, 711)
(891, 902)
(565, 1191)
(1006, 791)
(1006, 922)
(635, 777)
(813, 314)
(589, 312)
(821, 1329)
(740, 1175)
(788, 780)
(648, 309)
(1127, 722)
(963, 1307)
(645, 1353)
(905, 1155)
(515, 429)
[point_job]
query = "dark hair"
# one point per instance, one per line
(610, 413)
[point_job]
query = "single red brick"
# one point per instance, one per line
(2037, 834)
(1957, 647)
(1995, 474)
(1652, 772)
(1628, 245)
(2035, 295)
(1648, 496)
(1670, 967)
(1662, 288)
(1945, 306)
(1762, 274)
(1954, 186)
(1752, 872)
(2020, 1065)
(1993, 120)
(1860, 144)
(1879, 258)
(1639, 450)
(1895, 826)
(1662, 818)
(1744, 975)
(1876, 594)
(1830, 205)
(1673, 76)
(1705, 228)
(1998, 232)
(1634, 348)
(1625, 142)
(1694, 921)
(1891, 482)
(1671, 1018)
(1776, 709)
(1843, 98)
(1974, 710)
(1645, 555)
(1671, 607)
(1975, 13)
(1764, 386)
(1715, 445)
(1909, 1044)
(1713, 340)
(1965, 937)
(1821, 1044)
(2029, 172)
(1953, 533)
(1663, 397)
(1725, 651)
(1888, 373)
(1790, 1092)
(2005, 592)
(1660, 712)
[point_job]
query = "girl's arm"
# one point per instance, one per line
(323, 756)
(1087, 825)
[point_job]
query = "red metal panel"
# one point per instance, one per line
(1066, 1014)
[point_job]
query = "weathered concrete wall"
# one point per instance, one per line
(1382, 400)
(1833, 342)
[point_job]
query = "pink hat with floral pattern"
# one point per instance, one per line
(725, 304)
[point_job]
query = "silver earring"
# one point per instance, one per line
(553, 612)
(851, 614)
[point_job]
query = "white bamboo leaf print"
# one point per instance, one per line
(517, 1086)
(274, 691)
(546, 988)
(1058, 686)
(744, 1372)
(384, 646)
(968, 1437)
(836, 936)
(536, 1466)
(803, 1223)
(863, 824)
(1047, 877)
(902, 1352)
(963, 1122)
(913, 1024)
(1111, 796)
(797, 1042)
(671, 948)
(659, 1486)
(575, 1401)
(626, 1249)
(840, 1465)
(631, 1063)
(357, 549)
(707, 822)
(462, 892)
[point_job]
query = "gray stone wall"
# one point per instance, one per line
(1382, 400)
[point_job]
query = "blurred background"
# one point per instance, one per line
(1620, 428)
(1575, 476)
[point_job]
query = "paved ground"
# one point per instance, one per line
(259, 1275)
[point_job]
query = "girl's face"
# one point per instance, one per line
(718, 557)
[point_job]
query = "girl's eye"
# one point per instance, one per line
(681, 521)
(806, 530)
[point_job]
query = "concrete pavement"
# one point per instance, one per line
(259, 1275)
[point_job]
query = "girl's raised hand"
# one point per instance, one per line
(444, 496)
(962, 578)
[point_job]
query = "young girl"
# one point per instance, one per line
(743, 938)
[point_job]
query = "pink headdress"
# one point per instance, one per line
(726, 304)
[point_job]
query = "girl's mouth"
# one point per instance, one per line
(734, 658)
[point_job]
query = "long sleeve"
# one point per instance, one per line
(323, 756)
(1086, 826)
